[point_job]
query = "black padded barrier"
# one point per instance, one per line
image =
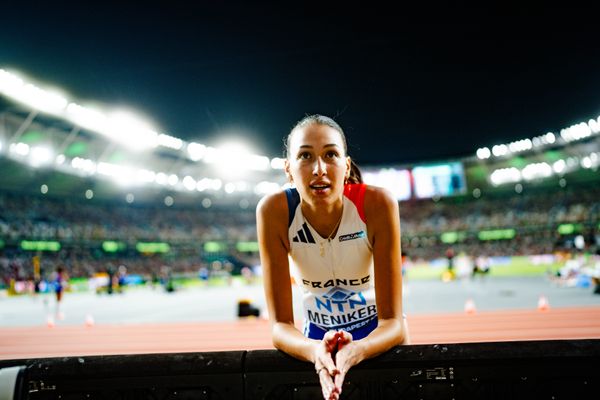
(558, 369)
(210, 375)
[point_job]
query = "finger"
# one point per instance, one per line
(338, 381)
(327, 386)
(327, 361)
(343, 339)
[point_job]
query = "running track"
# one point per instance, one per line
(251, 334)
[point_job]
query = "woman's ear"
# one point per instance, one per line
(348, 167)
(286, 168)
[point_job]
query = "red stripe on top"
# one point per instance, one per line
(355, 192)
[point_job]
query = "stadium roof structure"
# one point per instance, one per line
(59, 147)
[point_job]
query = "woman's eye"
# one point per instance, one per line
(304, 156)
(331, 154)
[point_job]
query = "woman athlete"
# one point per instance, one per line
(340, 240)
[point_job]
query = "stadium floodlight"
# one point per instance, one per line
(258, 163)
(169, 141)
(277, 163)
(161, 178)
(40, 155)
(536, 170)
(131, 131)
(229, 188)
(84, 164)
(594, 125)
(87, 117)
(483, 153)
(60, 159)
(266, 187)
(520, 145)
(559, 166)
(586, 162)
(1, 145)
(500, 150)
(21, 149)
(145, 175)
(49, 101)
(505, 175)
(196, 151)
(189, 183)
(172, 179)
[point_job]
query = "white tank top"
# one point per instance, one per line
(336, 275)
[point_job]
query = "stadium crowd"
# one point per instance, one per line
(81, 227)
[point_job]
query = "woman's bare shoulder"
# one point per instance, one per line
(273, 205)
(378, 199)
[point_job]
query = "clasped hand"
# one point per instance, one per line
(335, 355)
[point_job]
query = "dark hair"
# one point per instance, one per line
(355, 174)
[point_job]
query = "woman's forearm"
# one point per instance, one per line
(291, 341)
(389, 333)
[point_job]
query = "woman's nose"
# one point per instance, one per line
(319, 168)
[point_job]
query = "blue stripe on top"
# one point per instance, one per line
(293, 200)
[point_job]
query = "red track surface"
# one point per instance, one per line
(250, 334)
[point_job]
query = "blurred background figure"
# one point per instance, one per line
(60, 283)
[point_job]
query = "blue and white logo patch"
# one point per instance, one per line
(352, 236)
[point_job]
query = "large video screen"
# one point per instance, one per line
(439, 180)
(396, 181)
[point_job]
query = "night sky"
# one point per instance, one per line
(407, 86)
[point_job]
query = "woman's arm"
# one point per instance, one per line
(271, 221)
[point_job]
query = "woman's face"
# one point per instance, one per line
(317, 163)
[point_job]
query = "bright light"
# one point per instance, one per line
(483, 153)
(189, 183)
(60, 159)
(505, 175)
(499, 150)
(234, 159)
(170, 141)
(265, 187)
(20, 148)
(278, 163)
(586, 162)
(40, 156)
(145, 176)
(536, 170)
(173, 179)
(196, 151)
(229, 187)
(161, 178)
(168, 201)
(44, 189)
(559, 166)
(129, 198)
(87, 117)
(84, 164)
(49, 101)
(131, 131)
(89, 194)
(550, 138)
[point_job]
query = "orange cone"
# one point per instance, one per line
(470, 307)
(89, 320)
(543, 304)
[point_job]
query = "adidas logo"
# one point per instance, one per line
(304, 235)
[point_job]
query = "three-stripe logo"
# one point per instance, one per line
(304, 235)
